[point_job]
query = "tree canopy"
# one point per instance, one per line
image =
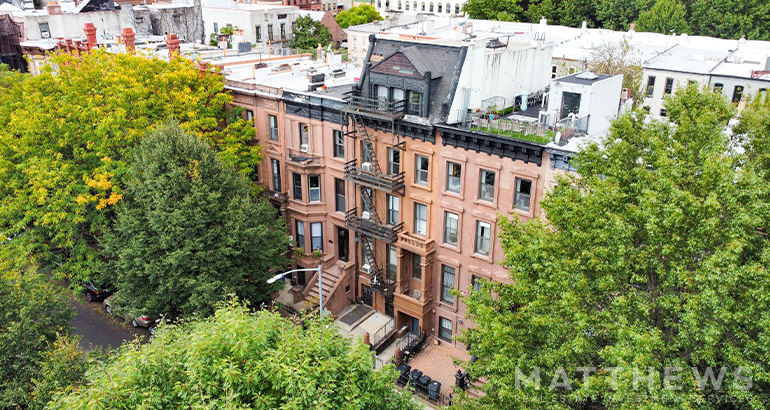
(501, 10)
(665, 16)
(238, 360)
(188, 232)
(65, 135)
(646, 287)
(619, 58)
(308, 34)
(361, 14)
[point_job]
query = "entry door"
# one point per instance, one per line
(343, 246)
(415, 327)
(366, 296)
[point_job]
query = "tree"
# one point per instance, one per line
(34, 312)
(654, 258)
(361, 14)
(308, 34)
(665, 16)
(500, 10)
(188, 232)
(619, 58)
(619, 14)
(63, 368)
(238, 360)
(65, 133)
(731, 19)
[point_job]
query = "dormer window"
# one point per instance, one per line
(415, 103)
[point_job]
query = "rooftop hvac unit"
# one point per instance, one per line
(366, 215)
(367, 166)
(304, 147)
(366, 268)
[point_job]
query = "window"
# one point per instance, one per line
(430, 8)
(421, 171)
(453, 172)
(276, 175)
(316, 236)
(447, 283)
(523, 194)
(450, 228)
(273, 122)
(650, 85)
(487, 186)
(314, 186)
(415, 103)
(366, 193)
(339, 144)
(691, 82)
(339, 195)
(250, 116)
(646, 109)
(476, 283)
(297, 179)
(669, 87)
(44, 31)
(392, 263)
(420, 219)
(663, 112)
(270, 32)
(355, 41)
(299, 228)
(572, 70)
(416, 267)
(457, 8)
(483, 235)
(258, 33)
(216, 28)
(762, 93)
(394, 161)
(445, 329)
(407, 6)
(439, 7)
(303, 134)
(553, 71)
(737, 93)
(366, 151)
(422, 8)
(283, 31)
(393, 207)
(177, 18)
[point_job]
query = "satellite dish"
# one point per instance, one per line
(557, 137)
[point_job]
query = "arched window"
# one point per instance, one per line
(379, 4)
(439, 8)
(399, 4)
(457, 8)
(407, 6)
(423, 7)
(448, 8)
(415, 6)
(431, 8)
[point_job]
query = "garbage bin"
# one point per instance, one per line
(434, 390)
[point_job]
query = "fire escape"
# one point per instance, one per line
(369, 177)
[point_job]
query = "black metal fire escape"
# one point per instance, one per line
(367, 174)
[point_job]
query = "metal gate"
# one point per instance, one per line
(389, 304)
(366, 295)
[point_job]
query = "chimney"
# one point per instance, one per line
(203, 67)
(90, 30)
(543, 22)
(172, 41)
(53, 8)
(584, 27)
(128, 37)
(632, 28)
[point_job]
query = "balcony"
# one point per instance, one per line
(416, 244)
(371, 228)
(304, 158)
(373, 107)
(370, 179)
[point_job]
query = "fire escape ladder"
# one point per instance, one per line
(368, 145)
(375, 272)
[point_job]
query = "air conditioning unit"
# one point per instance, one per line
(304, 147)
(416, 294)
(366, 268)
(367, 166)
(45, 34)
(366, 215)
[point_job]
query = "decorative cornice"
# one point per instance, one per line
(491, 144)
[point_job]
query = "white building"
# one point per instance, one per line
(261, 24)
(588, 101)
(437, 8)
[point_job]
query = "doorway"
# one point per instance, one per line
(343, 244)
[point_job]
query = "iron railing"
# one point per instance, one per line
(569, 127)
(371, 228)
(371, 179)
(374, 106)
(386, 330)
(511, 128)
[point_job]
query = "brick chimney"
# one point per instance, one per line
(53, 8)
(172, 41)
(90, 30)
(128, 37)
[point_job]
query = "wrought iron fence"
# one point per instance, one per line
(511, 128)
(571, 126)
(386, 330)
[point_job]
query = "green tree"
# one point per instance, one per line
(500, 10)
(620, 58)
(188, 232)
(33, 313)
(731, 19)
(654, 257)
(65, 133)
(664, 17)
(237, 360)
(619, 14)
(361, 14)
(62, 369)
(308, 34)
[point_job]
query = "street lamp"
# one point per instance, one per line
(320, 284)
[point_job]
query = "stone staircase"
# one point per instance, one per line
(330, 278)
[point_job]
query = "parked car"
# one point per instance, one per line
(126, 313)
(95, 293)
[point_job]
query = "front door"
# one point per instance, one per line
(415, 326)
(343, 246)
(366, 296)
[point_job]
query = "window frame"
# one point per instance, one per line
(738, 91)
(297, 185)
(420, 223)
(480, 239)
(339, 144)
(393, 214)
(486, 187)
(314, 190)
(669, 88)
(316, 240)
(475, 284)
(442, 329)
(419, 173)
(447, 229)
(339, 195)
(276, 174)
(394, 167)
(304, 134)
(416, 266)
(450, 166)
(272, 122)
(391, 261)
(446, 288)
(517, 194)
(650, 85)
(300, 238)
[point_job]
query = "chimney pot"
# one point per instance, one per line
(172, 41)
(632, 28)
(90, 30)
(129, 36)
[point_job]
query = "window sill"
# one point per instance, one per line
(453, 195)
(529, 214)
(491, 205)
(485, 258)
(421, 186)
(451, 247)
(448, 306)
